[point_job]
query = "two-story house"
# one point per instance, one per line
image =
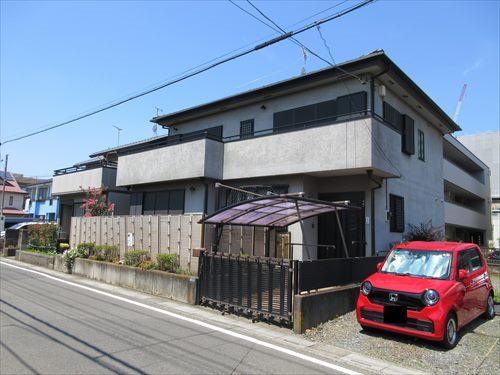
(13, 199)
(40, 204)
(362, 131)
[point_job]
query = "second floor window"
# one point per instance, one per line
(421, 145)
(42, 193)
(246, 128)
(11, 200)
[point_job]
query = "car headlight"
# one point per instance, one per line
(431, 297)
(366, 288)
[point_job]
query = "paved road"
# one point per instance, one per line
(51, 326)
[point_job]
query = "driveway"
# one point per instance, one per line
(478, 351)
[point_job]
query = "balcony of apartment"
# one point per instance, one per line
(465, 209)
(467, 180)
(172, 158)
(340, 146)
(94, 173)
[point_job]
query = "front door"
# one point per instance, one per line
(329, 238)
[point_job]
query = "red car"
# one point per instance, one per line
(428, 290)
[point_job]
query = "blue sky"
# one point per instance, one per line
(63, 58)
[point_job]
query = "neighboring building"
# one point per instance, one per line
(40, 204)
(486, 146)
(371, 136)
(13, 199)
(467, 203)
(68, 185)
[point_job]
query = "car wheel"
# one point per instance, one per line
(490, 307)
(368, 329)
(450, 337)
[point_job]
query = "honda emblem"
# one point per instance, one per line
(393, 297)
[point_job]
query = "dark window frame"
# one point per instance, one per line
(397, 210)
(321, 112)
(247, 128)
(138, 202)
(421, 145)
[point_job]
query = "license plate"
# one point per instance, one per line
(395, 314)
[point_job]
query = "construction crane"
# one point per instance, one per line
(459, 104)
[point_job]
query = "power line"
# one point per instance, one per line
(300, 44)
(380, 149)
(200, 70)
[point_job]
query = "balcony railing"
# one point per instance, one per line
(85, 167)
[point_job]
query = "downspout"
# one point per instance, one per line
(369, 174)
(372, 88)
(205, 212)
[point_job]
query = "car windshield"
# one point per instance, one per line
(419, 263)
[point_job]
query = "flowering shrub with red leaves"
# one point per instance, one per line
(95, 203)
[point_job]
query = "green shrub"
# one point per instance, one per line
(135, 258)
(167, 262)
(42, 237)
(70, 255)
(106, 253)
(86, 249)
(63, 246)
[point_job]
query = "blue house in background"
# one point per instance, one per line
(40, 205)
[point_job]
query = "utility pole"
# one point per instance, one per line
(2, 218)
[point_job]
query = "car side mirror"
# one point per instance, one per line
(379, 265)
(463, 274)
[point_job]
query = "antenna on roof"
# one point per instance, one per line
(304, 54)
(158, 110)
(119, 130)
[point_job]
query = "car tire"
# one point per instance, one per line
(450, 335)
(368, 329)
(490, 307)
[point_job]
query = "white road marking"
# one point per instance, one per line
(199, 323)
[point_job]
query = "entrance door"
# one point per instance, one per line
(353, 224)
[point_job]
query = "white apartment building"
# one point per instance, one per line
(486, 146)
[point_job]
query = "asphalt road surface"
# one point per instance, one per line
(52, 326)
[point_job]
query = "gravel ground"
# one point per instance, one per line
(478, 351)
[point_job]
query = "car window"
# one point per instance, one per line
(463, 261)
(475, 260)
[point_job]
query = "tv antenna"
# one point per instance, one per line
(158, 110)
(119, 130)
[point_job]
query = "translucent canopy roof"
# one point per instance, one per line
(272, 211)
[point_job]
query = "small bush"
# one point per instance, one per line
(86, 249)
(135, 258)
(106, 253)
(424, 232)
(167, 262)
(42, 237)
(70, 255)
(63, 246)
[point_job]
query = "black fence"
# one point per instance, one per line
(258, 287)
(324, 273)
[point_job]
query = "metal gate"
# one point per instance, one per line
(255, 286)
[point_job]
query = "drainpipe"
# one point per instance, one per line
(372, 88)
(369, 174)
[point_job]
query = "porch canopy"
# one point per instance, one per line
(273, 211)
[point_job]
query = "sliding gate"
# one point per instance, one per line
(255, 286)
